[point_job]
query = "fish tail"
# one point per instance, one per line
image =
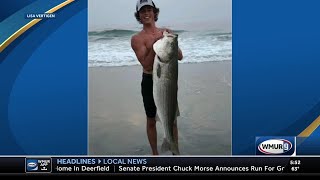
(165, 145)
(175, 150)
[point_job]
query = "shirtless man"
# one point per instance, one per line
(141, 43)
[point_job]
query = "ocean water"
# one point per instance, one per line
(113, 48)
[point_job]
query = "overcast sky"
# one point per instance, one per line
(174, 14)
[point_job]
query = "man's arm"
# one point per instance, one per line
(144, 55)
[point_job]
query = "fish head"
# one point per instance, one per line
(166, 48)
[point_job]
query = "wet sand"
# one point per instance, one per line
(117, 122)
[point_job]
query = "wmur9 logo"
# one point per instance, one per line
(275, 145)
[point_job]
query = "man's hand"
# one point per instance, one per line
(168, 30)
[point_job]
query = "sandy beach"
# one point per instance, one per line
(117, 122)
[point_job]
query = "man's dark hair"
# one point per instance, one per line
(155, 11)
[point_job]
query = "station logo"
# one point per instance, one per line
(275, 145)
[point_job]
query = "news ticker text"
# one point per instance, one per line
(150, 165)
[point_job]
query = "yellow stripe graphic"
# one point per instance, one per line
(309, 130)
(29, 25)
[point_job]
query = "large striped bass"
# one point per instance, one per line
(165, 87)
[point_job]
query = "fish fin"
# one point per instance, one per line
(178, 110)
(177, 114)
(157, 118)
(165, 145)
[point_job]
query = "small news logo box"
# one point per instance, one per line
(38, 164)
(276, 145)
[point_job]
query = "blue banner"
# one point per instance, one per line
(43, 75)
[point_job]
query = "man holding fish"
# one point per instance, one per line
(158, 52)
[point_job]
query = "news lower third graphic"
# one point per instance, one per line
(276, 145)
(38, 165)
(160, 165)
